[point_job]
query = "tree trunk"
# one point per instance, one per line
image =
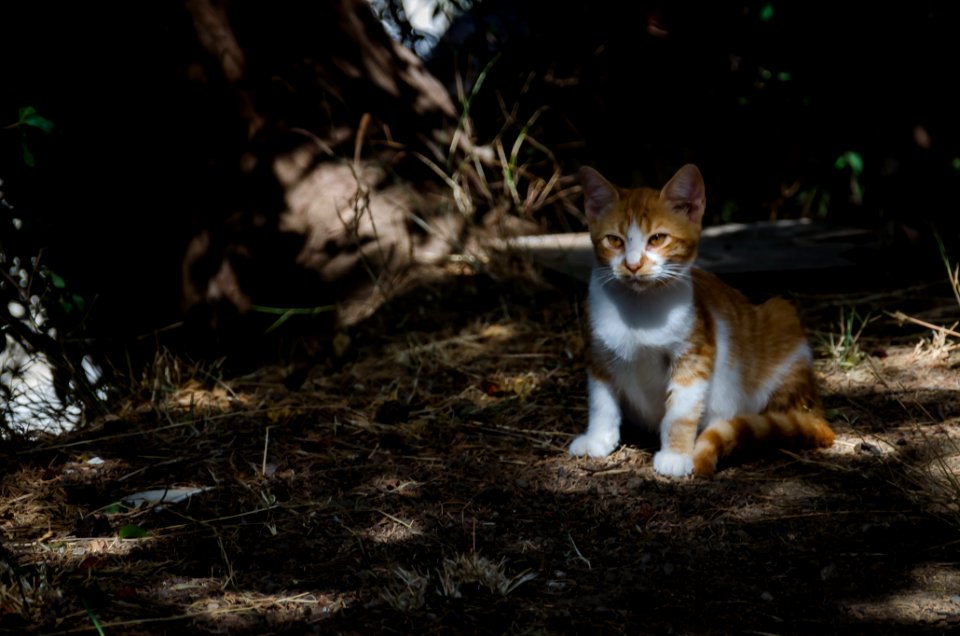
(211, 158)
(330, 106)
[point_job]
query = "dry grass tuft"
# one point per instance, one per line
(27, 596)
(410, 589)
(936, 478)
(842, 345)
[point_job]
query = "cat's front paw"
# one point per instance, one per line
(672, 464)
(593, 445)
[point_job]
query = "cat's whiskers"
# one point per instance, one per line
(607, 276)
(673, 272)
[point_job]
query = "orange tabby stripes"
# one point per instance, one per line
(675, 349)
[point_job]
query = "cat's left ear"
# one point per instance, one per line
(685, 193)
(599, 195)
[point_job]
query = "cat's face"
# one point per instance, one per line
(644, 237)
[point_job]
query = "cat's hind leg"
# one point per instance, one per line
(792, 418)
(789, 429)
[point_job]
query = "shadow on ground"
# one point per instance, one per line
(420, 484)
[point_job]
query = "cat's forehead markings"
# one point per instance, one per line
(634, 217)
(634, 251)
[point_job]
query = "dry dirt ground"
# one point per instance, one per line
(419, 484)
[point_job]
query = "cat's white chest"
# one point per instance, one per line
(627, 322)
(641, 386)
(641, 333)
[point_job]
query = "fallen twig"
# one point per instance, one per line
(901, 317)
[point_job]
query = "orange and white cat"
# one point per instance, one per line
(675, 349)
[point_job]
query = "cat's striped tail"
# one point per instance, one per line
(789, 429)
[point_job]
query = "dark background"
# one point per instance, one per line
(843, 112)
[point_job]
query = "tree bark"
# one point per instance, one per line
(329, 104)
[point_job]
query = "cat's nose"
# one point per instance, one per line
(633, 267)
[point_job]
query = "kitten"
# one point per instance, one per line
(675, 349)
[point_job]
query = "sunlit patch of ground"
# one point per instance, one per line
(930, 596)
(420, 484)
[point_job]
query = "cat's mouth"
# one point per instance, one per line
(643, 282)
(637, 282)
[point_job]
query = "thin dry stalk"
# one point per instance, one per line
(934, 478)
(953, 272)
(901, 318)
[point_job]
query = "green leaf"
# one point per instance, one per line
(729, 211)
(56, 280)
(287, 312)
(856, 162)
(30, 117)
(852, 159)
(131, 532)
(40, 122)
(74, 302)
(766, 13)
(92, 616)
(955, 163)
(823, 208)
(112, 509)
(28, 156)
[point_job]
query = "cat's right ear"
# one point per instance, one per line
(685, 191)
(599, 195)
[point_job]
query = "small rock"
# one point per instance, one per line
(766, 596)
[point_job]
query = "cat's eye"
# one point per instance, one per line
(614, 241)
(656, 240)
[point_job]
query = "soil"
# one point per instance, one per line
(419, 483)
